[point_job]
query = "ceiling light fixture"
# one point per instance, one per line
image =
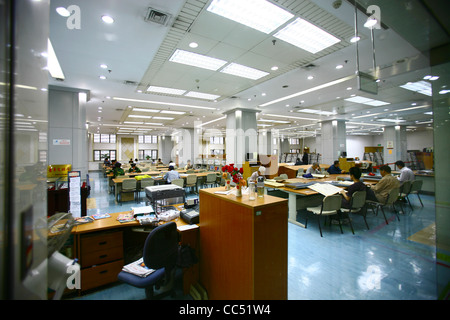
(165, 90)
(212, 121)
(197, 60)
(200, 95)
(355, 39)
(163, 118)
(422, 87)
(261, 15)
(193, 44)
(139, 116)
(306, 36)
(322, 86)
(243, 71)
(107, 19)
(172, 112)
(371, 21)
(162, 103)
(145, 110)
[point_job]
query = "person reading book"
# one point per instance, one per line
(358, 185)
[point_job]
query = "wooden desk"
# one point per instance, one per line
(243, 252)
(100, 246)
(292, 171)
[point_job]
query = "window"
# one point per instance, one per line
(148, 139)
(111, 154)
(104, 138)
(294, 151)
(152, 153)
(294, 141)
(216, 140)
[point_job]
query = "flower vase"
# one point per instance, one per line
(238, 191)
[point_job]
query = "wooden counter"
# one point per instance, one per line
(243, 251)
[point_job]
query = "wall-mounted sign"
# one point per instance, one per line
(58, 170)
(390, 144)
(61, 142)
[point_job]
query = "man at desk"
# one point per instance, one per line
(188, 165)
(380, 191)
(406, 174)
(334, 168)
(171, 175)
(134, 168)
(314, 169)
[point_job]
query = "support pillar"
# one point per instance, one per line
(394, 141)
(333, 140)
(67, 133)
(241, 135)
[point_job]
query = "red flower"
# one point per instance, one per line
(224, 168)
(241, 170)
(230, 169)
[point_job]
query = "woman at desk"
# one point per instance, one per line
(118, 171)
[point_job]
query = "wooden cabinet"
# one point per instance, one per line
(101, 258)
(243, 246)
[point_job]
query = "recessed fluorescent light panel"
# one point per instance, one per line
(172, 112)
(390, 120)
(139, 116)
(257, 14)
(200, 95)
(324, 113)
(367, 101)
(243, 71)
(163, 118)
(422, 87)
(306, 36)
(145, 110)
(165, 90)
(197, 60)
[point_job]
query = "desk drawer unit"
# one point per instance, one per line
(101, 258)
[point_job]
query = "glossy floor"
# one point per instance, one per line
(386, 262)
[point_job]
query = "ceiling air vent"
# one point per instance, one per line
(157, 16)
(130, 83)
(309, 66)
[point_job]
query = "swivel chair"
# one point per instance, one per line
(160, 253)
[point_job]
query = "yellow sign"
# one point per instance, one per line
(58, 170)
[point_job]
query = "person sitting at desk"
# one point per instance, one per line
(314, 169)
(159, 162)
(406, 174)
(171, 175)
(171, 163)
(131, 161)
(355, 174)
(188, 165)
(118, 171)
(260, 172)
(334, 168)
(134, 168)
(106, 162)
(380, 191)
(298, 162)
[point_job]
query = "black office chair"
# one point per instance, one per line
(160, 253)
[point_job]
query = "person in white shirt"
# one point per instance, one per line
(260, 172)
(314, 169)
(406, 174)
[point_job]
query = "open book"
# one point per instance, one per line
(325, 189)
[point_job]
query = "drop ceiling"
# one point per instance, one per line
(137, 54)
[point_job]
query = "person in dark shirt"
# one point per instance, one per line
(334, 168)
(355, 174)
(305, 158)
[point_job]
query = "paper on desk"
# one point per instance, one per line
(325, 188)
(187, 227)
(142, 210)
